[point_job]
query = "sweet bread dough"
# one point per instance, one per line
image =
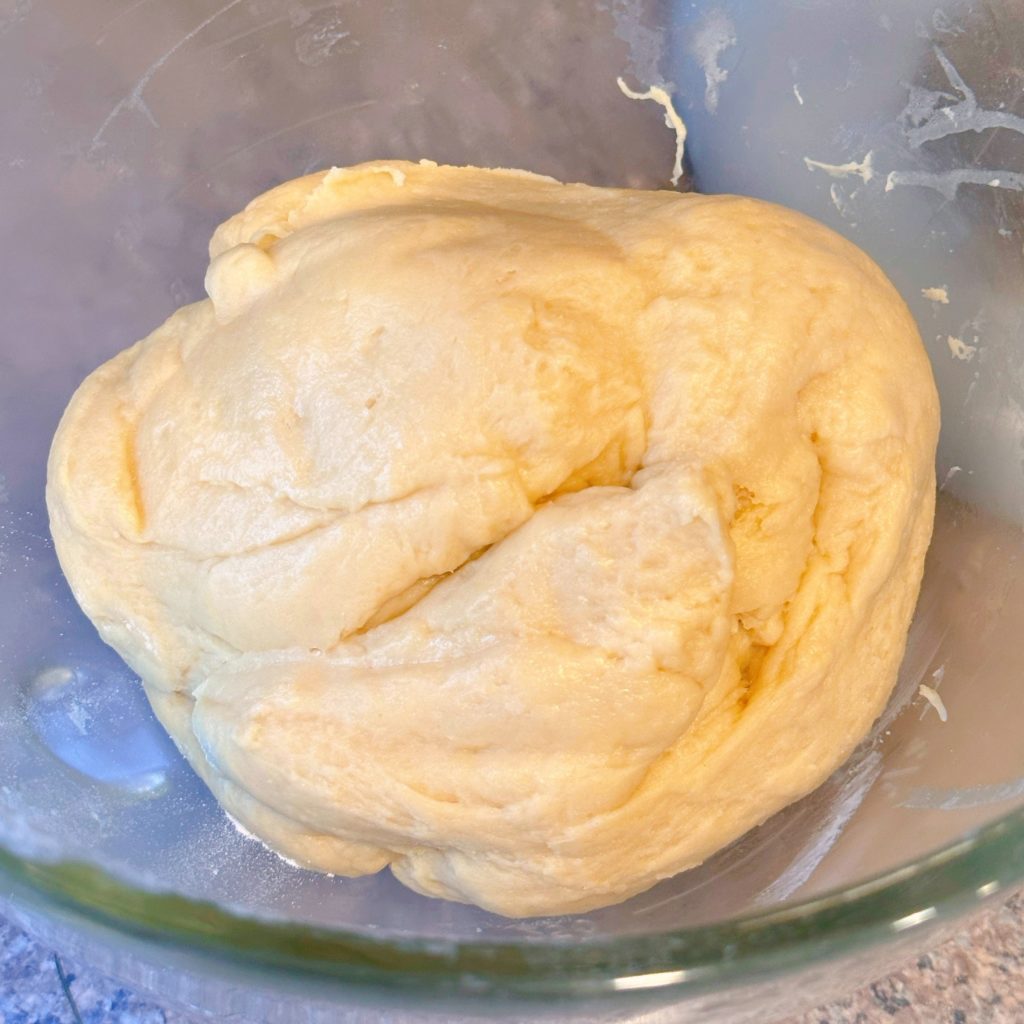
(536, 540)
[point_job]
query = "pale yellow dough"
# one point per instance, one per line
(533, 539)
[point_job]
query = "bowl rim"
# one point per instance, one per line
(914, 896)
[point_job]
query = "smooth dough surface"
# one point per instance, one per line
(536, 540)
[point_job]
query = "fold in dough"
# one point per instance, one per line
(536, 540)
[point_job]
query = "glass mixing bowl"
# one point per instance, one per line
(132, 128)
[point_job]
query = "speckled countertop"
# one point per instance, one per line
(975, 978)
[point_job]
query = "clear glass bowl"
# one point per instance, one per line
(132, 128)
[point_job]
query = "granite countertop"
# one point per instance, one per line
(975, 978)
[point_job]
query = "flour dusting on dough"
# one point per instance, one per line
(246, 834)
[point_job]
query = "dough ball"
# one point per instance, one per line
(536, 540)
